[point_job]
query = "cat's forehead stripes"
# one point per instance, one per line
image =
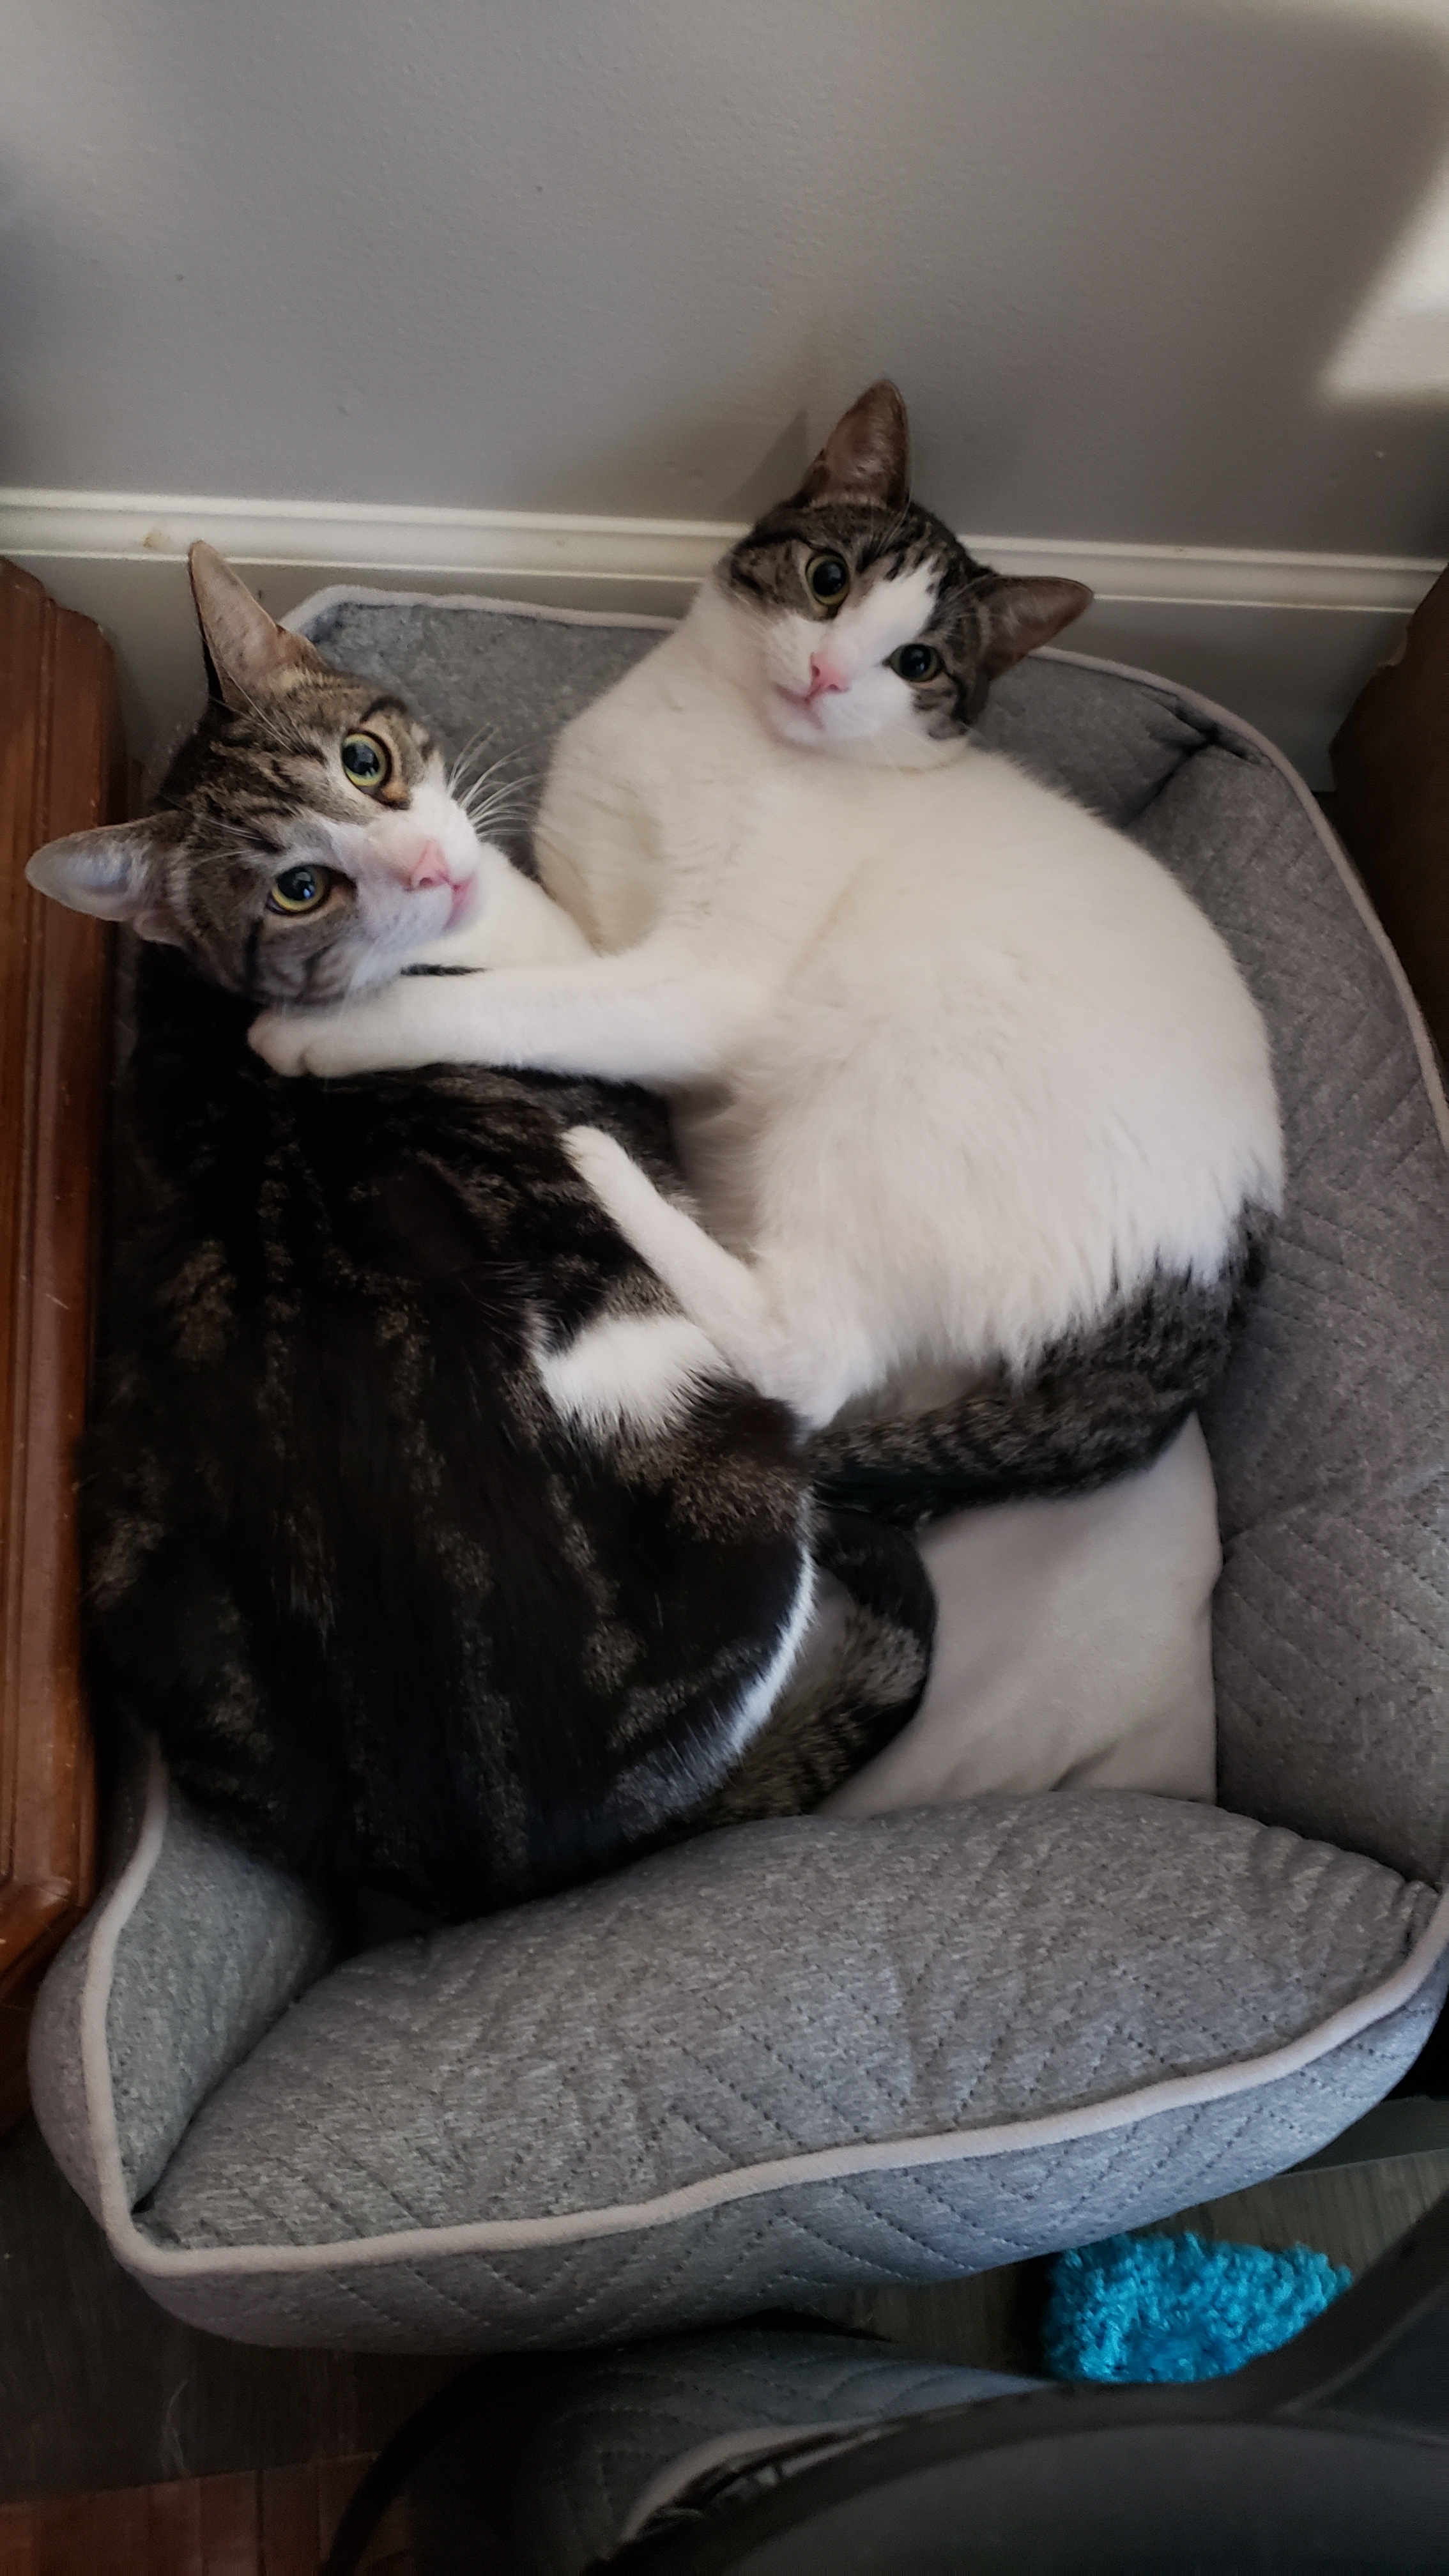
(282, 751)
(769, 564)
(259, 788)
(400, 721)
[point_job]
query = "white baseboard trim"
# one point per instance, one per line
(134, 527)
(1285, 639)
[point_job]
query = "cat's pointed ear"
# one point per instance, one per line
(1022, 613)
(867, 456)
(248, 654)
(112, 872)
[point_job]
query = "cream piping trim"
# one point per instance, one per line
(115, 1914)
(817, 2165)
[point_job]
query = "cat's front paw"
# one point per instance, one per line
(318, 1042)
(602, 1161)
(280, 1039)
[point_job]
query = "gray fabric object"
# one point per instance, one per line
(1150, 1946)
(1004, 2027)
(641, 2419)
(218, 1946)
(631, 2039)
(822, 2053)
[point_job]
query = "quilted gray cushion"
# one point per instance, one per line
(778, 1993)
(823, 2053)
(791, 2058)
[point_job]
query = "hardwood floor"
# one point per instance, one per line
(267, 2522)
(98, 2388)
(1351, 2212)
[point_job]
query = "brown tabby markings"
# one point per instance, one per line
(234, 808)
(394, 1620)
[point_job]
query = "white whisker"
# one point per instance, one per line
(476, 744)
(487, 806)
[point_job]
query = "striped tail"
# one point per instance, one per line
(1099, 1404)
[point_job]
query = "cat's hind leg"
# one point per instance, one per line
(726, 1297)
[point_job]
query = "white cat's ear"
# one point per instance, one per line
(1020, 614)
(248, 654)
(111, 873)
(867, 456)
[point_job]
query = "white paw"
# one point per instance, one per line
(280, 1039)
(598, 1159)
(323, 1042)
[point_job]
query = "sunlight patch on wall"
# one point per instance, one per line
(1398, 341)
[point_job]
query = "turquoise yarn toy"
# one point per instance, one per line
(1178, 2307)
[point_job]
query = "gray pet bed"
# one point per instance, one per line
(819, 2053)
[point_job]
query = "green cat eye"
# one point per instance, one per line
(915, 662)
(827, 578)
(366, 761)
(299, 889)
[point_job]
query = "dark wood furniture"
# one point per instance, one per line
(62, 767)
(1391, 802)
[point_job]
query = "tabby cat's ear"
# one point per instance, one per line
(111, 872)
(248, 655)
(867, 456)
(1022, 613)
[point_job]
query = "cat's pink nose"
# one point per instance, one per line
(824, 677)
(429, 867)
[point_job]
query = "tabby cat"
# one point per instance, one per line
(977, 1110)
(440, 1551)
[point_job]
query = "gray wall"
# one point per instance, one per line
(630, 255)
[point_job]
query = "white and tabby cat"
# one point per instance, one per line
(976, 1106)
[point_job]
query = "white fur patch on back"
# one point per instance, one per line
(757, 1702)
(629, 1373)
(764, 1694)
(685, 1772)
